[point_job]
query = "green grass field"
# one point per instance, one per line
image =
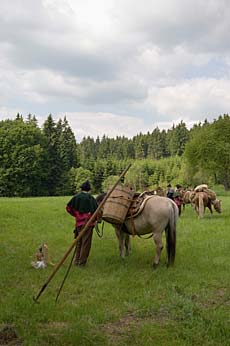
(114, 302)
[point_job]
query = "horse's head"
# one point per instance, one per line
(217, 205)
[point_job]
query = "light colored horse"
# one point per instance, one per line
(158, 214)
(201, 201)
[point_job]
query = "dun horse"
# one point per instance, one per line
(158, 214)
(201, 201)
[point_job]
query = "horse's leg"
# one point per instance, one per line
(121, 241)
(157, 237)
(201, 206)
(210, 207)
(193, 206)
(127, 244)
(196, 208)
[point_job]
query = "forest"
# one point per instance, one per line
(47, 160)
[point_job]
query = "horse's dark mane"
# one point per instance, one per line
(100, 197)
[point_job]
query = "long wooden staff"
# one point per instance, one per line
(66, 274)
(92, 218)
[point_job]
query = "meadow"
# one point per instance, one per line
(110, 301)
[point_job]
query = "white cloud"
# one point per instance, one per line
(144, 63)
(188, 99)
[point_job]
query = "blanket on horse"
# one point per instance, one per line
(138, 203)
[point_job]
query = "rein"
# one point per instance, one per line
(100, 234)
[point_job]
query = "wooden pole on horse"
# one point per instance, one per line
(89, 222)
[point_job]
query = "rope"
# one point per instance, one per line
(146, 237)
(124, 198)
(100, 234)
(133, 229)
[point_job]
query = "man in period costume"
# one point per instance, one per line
(170, 191)
(82, 206)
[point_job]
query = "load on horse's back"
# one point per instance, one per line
(204, 188)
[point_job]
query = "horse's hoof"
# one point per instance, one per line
(155, 266)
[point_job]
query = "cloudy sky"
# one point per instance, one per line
(115, 67)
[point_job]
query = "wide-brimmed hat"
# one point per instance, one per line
(86, 186)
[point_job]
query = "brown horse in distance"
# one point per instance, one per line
(201, 200)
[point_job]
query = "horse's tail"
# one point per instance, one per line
(171, 234)
(201, 205)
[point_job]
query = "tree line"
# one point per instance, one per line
(48, 161)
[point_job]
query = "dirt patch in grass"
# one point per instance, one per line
(122, 328)
(8, 336)
(124, 324)
(55, 325)
(220, 297)
(54, 328)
